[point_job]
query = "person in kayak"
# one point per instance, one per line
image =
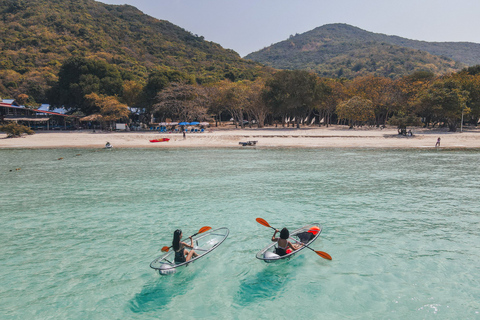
(283, 245)
(182, 254)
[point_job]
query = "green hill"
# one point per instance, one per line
(340, 50)
(38, 35)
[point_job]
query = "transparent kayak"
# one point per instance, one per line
(305, 235)
(202, 244)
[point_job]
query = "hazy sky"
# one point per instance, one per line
(250, 25)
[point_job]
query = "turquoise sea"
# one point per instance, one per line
(77, 234)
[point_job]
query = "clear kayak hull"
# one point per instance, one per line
(204, 243)
(305, 235)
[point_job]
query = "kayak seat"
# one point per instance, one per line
(305, 237)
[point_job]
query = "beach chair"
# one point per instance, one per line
(196, 130)
(202, 130)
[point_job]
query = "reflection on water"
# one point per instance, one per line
(158, 294)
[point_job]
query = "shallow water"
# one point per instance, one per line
(78, 234)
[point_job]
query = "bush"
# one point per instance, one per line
(14, 129)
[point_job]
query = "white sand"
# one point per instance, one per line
(313, 137)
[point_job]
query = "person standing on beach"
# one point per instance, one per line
(438, 143)
(184, 136)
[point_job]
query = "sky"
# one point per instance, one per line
(250, 25)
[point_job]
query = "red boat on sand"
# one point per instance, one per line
(160, 140)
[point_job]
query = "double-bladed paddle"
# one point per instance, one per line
(202, 230)
(320, 253)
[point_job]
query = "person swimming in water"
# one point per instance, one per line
(283, 245)
(182, 254)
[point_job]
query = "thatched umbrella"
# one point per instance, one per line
(93, 117)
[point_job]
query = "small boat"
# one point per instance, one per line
(108, 146)
(202, 244)
(160, 140)
(306, 235)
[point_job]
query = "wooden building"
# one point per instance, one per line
(37, 119)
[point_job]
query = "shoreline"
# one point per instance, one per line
(224, 137)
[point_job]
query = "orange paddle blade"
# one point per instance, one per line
(165, 249)
(203, 229)
(263, 222)
(324, 255)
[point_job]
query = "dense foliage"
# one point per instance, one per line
(343, 51)
(39, 35)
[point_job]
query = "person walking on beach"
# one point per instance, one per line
(438, 143)
(182, 254)
(184, 136)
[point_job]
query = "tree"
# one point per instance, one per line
(14, 129)
(131, 92)
(216, 104)
(444, 100)
(470, 83)
(356, 110)
(79, 77)
(159, 80)
(255, 104)
(334, 93)
(293, 94)
(109, 108)
(234, 97)
(182, 101)
(380, 91)
(21, 99)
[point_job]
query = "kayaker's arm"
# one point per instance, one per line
(189, 246)
(273, 237)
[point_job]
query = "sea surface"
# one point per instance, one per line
(80, 227)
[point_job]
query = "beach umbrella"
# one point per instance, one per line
(194, 123)
(204, 123)
(162, 124)
(172, 123)
(183, 124)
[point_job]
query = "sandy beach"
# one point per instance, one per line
(312, 137)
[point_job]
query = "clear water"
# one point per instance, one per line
(77, 235)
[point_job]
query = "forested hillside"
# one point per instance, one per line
(39, 35)
(340, 50)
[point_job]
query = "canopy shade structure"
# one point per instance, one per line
(28, 119)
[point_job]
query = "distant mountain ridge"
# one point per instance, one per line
(341, 50)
